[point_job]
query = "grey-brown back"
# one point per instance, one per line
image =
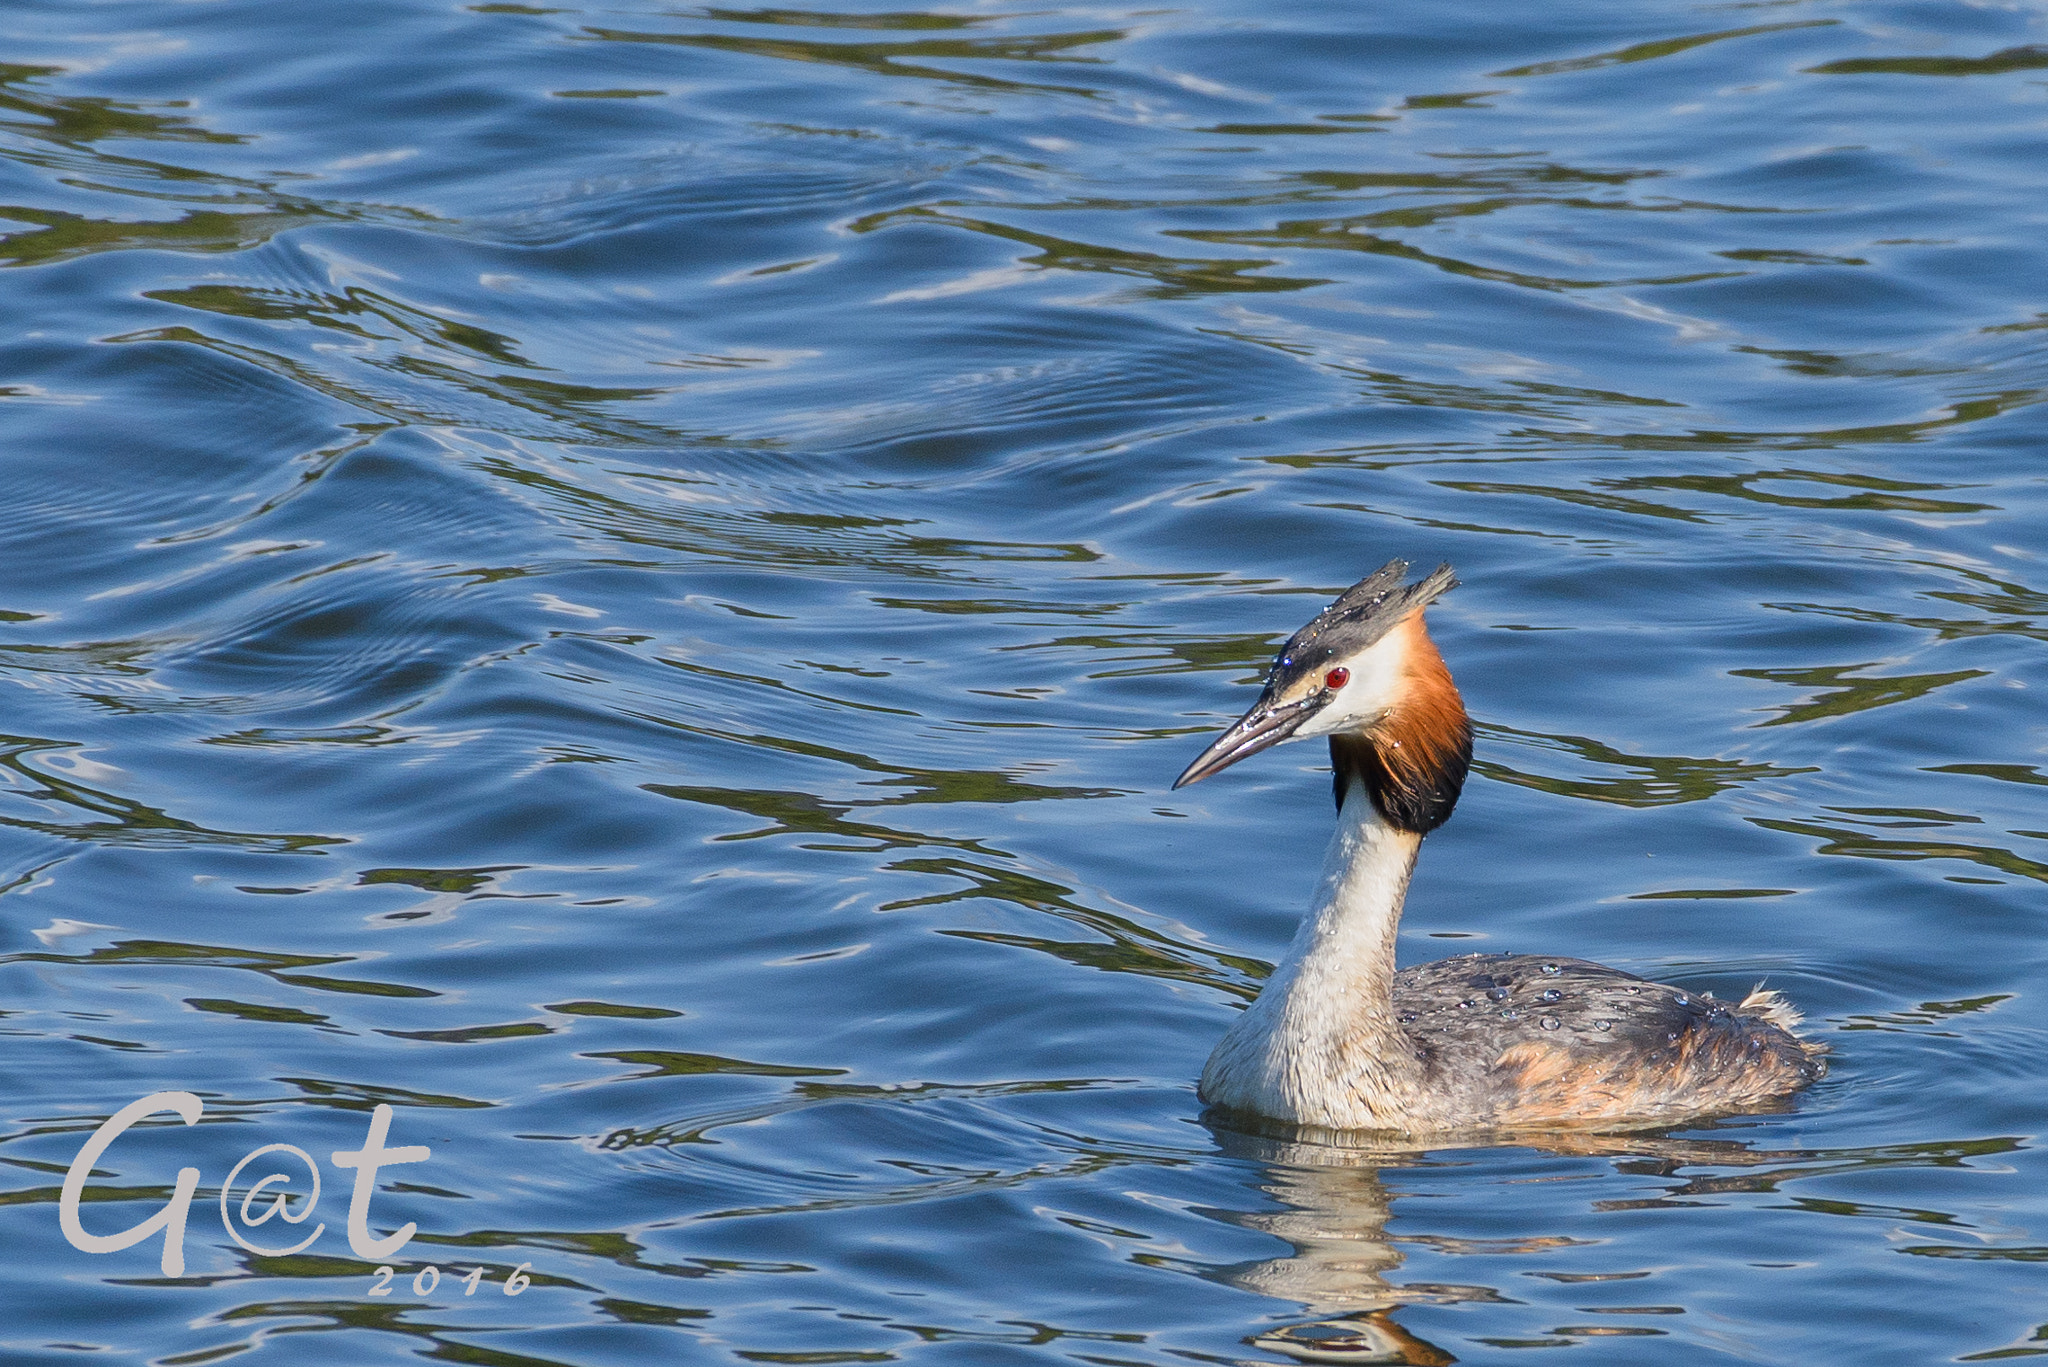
(1522, 1039)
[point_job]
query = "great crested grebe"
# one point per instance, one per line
(1339, 1039)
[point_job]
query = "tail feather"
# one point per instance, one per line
(1772, 1006)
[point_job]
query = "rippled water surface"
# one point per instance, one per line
(627, 583)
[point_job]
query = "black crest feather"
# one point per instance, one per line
(1361, 615)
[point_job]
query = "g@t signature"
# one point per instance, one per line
(170, 1219)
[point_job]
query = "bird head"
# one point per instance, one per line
(1365, 674)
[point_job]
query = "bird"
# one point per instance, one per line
(1338, 1039)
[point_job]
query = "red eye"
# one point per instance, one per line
(1336, 678)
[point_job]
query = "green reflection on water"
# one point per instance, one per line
(671, 1063)
(63, 235)
(799, 813)
(1662, 47)
(612, 1009)
(803, 1095)
(1850, 694)
(609, 1245)
(381, 1317)
(640, 1312)
(171, 953)
(2029, 58)
(237, 213)
(367, 1096)
(474, 1034)
(1928, 1013)
(73, 119)
(1174, 277)
(251, 1011)
(1343, 235)
(1649, 781)
(338, 311)
(1584, 498)
(1862, 845)
(1788, 257)
(1127, 946)
(2005, 773)
(566, 408)
(437, 880)
(1878, 493)
(1169, 653)
(905, 58)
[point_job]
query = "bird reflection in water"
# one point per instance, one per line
(1334, 1210)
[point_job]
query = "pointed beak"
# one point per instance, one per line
(1267, 724)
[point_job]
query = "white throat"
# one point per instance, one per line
(1321, 1046)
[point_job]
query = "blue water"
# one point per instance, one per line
(628, 583)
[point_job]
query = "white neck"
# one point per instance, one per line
(1321, 1046)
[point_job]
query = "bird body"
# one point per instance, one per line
(1339, 1039)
